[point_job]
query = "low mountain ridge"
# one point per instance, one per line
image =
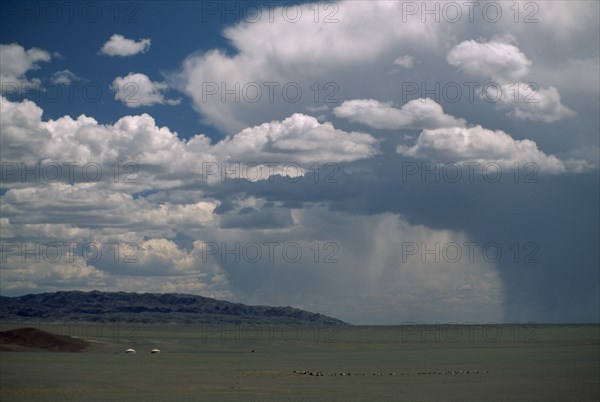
(96, 306)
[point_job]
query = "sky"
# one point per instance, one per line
(382, 162)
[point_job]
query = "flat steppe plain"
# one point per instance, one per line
(395, 363)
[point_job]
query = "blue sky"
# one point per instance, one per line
(130, 19)
(381, 162)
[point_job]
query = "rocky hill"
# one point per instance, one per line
(99, 306)
(26, 338)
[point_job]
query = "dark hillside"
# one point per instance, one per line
(99, 306)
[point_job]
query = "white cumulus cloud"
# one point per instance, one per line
(136, 90)
(416, 114)
(528, 101)
(273, 54)
(118, 45)
(168, 160)
(504, 63)
(15, 62)
(501, 61)
(298, 138)
(481, 145)
(64, 77)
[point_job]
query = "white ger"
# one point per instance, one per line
(130, 351)
(155, 351)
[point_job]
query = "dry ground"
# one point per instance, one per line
(197, 363)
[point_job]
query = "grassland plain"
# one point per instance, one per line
(395, 363)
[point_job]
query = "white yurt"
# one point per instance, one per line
(155, 351)
(130, 351)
